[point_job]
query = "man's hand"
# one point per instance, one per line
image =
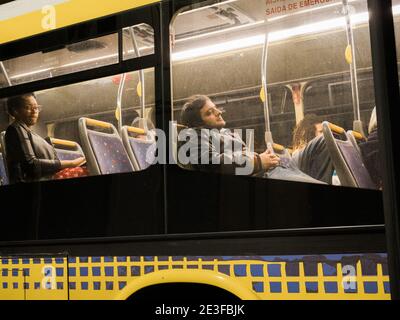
(269, 160)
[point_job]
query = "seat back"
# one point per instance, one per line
(3, 160)
(355, 138)
(66, 149)
(346, 159)
(103, 147)
(3, 172)
(141, 151)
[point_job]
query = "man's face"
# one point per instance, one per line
(211, 115)
(29, 113)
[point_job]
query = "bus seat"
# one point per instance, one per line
(103, 147)
(66, 149)
(3, 172)
(3, 160)
(355, 138)
(141, 151)
(346, 159)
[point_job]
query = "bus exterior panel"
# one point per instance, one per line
(24, 19)
(289, 277)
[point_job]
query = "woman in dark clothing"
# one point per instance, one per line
(29, 156)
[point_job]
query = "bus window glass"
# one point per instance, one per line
(84, 55)
(285, 87)
(109, 122)
(138, 41)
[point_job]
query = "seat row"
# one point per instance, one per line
(105, 150)
(108, 152)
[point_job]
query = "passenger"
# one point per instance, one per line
(306, 130)
(310, 153)
(29, 156)
(370, 151)
(201, 113)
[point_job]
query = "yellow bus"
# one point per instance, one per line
(99, 199)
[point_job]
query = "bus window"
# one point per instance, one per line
(72, 58)
(296, 74)
(101, 120)
(138, 41)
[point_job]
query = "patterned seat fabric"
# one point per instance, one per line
(3, 173)
(67, 154)
(144, 152)
(109, 152)
(355, 164)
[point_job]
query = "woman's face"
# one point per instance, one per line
(211, 116)
(29, 113)
(318, 129)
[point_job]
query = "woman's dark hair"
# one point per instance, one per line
(190, 114)
(304, 132)
(17, 102)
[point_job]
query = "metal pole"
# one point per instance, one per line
(119, 101)
(268, 133)
(386, 83)
(357, 124)
(4, 72)
(141, 72)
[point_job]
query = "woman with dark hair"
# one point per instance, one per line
(310, 153)
(29, 156)
(214, 145)
(306, 130)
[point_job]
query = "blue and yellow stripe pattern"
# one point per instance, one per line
(327, 277)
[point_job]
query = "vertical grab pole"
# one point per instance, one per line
(141, 72)
(4, 72)
(268, 133)
(118, 111)
(357, 123)
(119, 101)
